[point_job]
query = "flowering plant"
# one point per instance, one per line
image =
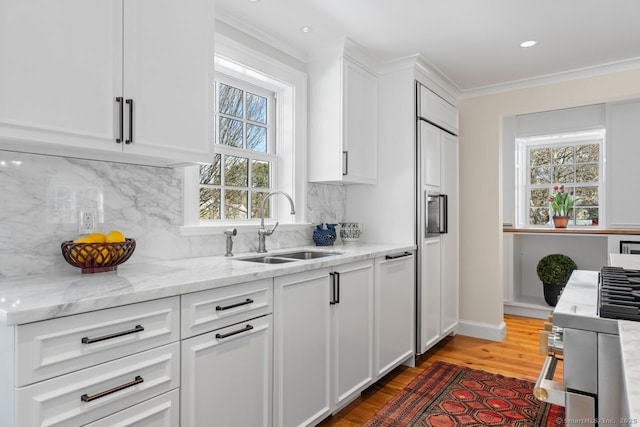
(562, 202)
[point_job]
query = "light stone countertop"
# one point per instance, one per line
(630, 345)
(34, 298)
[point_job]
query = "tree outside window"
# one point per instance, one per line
(241, 174)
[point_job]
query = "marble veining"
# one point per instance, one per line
(630, 343)
(39, 297)
(42, 195)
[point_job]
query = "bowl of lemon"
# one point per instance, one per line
(97, 252)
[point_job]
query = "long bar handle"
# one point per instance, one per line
(238, 304)
(120, 137)
(230, 334)
(547, 390)
(345, 156)
(130, 139)
(333, 288)
(87, 340)
(87, 398)
(337, 288)
(396, 256)
(444, 213)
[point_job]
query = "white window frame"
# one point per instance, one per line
(524, 144)
(290, 87)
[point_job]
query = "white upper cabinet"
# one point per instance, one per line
(78, 76)
(343, 120)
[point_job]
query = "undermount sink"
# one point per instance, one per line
(289, 257)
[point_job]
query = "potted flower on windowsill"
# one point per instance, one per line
(554, 271)
(561, 204)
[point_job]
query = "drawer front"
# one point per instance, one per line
(59, 346)
(90, 394)
(161, 411)
(214, 309)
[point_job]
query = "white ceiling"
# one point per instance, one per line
(473, 43)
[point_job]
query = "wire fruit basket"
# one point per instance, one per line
(97, 257)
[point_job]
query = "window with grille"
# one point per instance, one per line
(243, 169)
(570, 160)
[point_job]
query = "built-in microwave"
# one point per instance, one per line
(436, 214)
(629, 247)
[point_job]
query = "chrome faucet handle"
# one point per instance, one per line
(270, 232)
(230, 232)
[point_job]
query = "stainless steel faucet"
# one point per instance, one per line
(230, 233)
(262, 232)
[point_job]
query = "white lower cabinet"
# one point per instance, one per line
(161, 411)
(352, 331)
(302, 348)
(87, 395)
(226, 376)
(394, 311)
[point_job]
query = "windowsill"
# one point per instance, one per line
(203, 230)
(570, 230)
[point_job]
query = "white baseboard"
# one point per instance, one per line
(484, 331)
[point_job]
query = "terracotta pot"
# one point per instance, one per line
(560, 221)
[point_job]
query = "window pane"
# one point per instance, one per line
(587, 153)
(209, 203)
(230, 100)
(210, 174)
(562, 155)
(235, 204)
(257, 138)
(587, 173)
(260, 174)
(256, 201)
(539, 197)
(236, 171)
(230, 132)
(256, 108)
(587, 196)
(539, 157)
(539, 216)
(541, 175)
(563, 174)
(587, 216)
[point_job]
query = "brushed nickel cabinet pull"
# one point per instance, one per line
(227, 307)
(239, 331)
(87, 340)
(87, 398)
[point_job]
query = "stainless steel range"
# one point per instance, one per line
(586, 339)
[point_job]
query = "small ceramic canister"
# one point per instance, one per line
(350, 232)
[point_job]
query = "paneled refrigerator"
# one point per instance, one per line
(437, 219)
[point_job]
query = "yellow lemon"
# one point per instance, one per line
(114, 236)
(97, 237)
(85, 239)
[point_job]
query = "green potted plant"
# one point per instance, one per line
(554, 271)
(561, 204)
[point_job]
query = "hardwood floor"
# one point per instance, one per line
(517, 356)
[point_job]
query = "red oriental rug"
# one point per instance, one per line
(447, 395)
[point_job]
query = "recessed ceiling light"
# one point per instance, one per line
(254, 1)
(306, 29)
(528, 43)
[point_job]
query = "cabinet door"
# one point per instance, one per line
(168, 73)
(60, 74)
(226, 376)
(352, 330)
(430, 296)
(395, 309)
(437, 110)
(430, 137)
(360, 124)
(302, 348)
(450, 240)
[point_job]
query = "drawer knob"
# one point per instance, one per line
(87, 398)
(87, 340)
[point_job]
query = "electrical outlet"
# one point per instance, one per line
(87, 222)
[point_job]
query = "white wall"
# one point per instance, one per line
(481, 255)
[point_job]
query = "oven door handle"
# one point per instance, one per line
(547, 390)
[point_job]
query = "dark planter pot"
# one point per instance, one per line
(551, 293)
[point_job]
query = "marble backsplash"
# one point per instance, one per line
(41, 196)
